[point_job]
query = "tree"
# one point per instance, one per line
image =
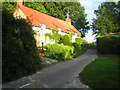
(107, 19)
(20, 56)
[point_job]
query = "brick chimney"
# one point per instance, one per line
(68, 19)
(19, 2)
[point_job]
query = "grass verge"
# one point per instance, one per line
(101, 73)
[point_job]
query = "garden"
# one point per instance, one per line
(64, 49)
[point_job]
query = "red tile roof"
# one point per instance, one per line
(36, 18)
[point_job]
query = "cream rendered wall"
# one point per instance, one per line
(19, 14)
(42, 30)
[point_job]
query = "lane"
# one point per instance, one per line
(56, 76)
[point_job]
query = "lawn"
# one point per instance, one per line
(101, 73)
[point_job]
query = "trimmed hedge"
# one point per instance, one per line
(108, 44)
(58, 51)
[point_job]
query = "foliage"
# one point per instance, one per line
(108, 44)
(66, 40)
(20, 56)
(10, 6)
(59, 52)
(70, 35)
(92, 45)
(107, 20)
(55, 36)
(37, 6)
(101, 73)
(80, 41)
(79, 49)
(59, 10)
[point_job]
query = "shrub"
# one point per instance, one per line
(79, 49)
(80, 41)
(59, 52)
(108, 44)
(20, 56)
(66, 40)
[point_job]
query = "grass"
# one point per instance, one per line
(101, 73)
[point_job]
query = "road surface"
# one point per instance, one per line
(58, 75)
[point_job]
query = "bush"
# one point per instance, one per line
(80, 41)
(108, 44)
(20, 56)
(59, 52)
(79, 49)
(66, 40)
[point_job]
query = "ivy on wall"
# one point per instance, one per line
(57, 37)
(70, 35)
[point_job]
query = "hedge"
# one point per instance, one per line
(58, 51)
(109, 44)
(20, 56)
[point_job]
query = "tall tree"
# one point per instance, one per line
(107, 19)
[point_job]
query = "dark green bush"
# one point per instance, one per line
(108, 44)
(59, 52)
(20, 56)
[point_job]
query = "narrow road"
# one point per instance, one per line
(57, 75)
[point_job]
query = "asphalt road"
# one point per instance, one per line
(57, 75)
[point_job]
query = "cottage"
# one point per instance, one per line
(43, 23)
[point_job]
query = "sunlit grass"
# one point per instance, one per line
(101, 73)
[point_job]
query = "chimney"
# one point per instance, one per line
(19, 2)
(68, 19)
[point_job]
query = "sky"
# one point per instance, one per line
(90, 6)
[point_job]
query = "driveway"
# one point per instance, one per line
(60, 75)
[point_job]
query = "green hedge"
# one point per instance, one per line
(20, 56)
(108, 44)
(58, 51)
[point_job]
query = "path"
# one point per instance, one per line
(59, 75)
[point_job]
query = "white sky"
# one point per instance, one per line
(90, 6)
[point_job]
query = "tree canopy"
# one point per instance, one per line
(59, 10)
(107, 20)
